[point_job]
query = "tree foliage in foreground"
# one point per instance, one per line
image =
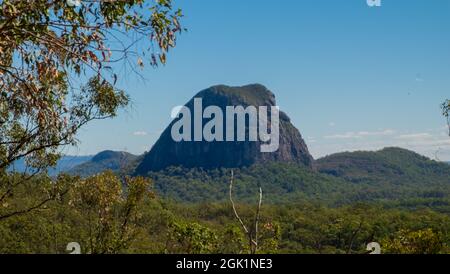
(57, 69)
(424, 241)
(47, 48)
(102, 213)
(107, 214)
(110, 209)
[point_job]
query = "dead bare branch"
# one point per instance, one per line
(253, 233)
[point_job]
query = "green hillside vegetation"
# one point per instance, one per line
(390, 165)
(390, 176)
(106, 214)
(281, 183)
(392, 173)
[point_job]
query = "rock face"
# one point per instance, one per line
(167, 152)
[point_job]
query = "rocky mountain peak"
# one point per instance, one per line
(216, 154)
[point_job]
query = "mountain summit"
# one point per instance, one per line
(228, 154)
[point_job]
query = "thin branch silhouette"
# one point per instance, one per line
(252, 234)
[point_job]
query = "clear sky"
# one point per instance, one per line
(351, 77)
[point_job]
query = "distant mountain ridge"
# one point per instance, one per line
(64, 164)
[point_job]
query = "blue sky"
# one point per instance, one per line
(351, 77)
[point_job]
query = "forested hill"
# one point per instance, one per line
(392, 165)
(392, 175)
(117, 161)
